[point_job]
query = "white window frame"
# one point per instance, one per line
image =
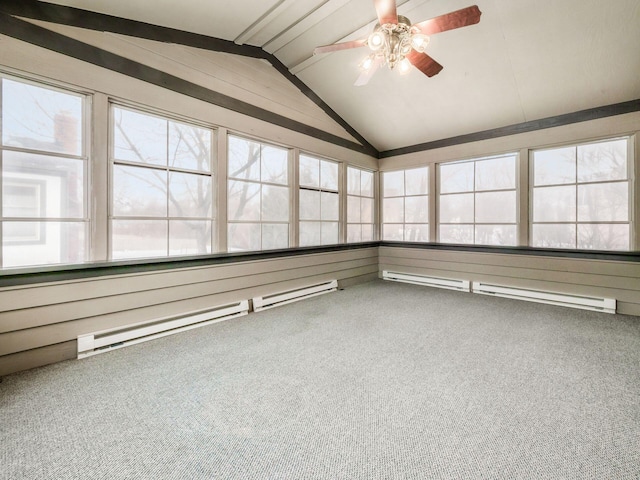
(630, 192)
(211, 174)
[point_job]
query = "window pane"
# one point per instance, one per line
(366, 183)
(243, 200)
(496, 174)
(139, 191)
(189, 237)
(456, 233)
(43, 243)
(456, 208)
(496, 235)
(456, 177)
(601, 202)
(602, 161)
(366, 210)
(393, 210)
(309, 233)
(603, 236)
(40, 186)
(554, 204)
(138, 238)
(309, 171)
(329, 207)
(554, 166)
(416, 209)
(189, 147)
(367, 233)
(353, 209)
(328, 175)
(41, 119)
(393, 183)
(329, 233)
(189, 195)
(139, 138)
(392, 231)
(416, 233)
(275, 235)
(275, 165)
(243, 237)
(244, 159)
(354, 233)
(275, 203)
(353, 181)
(416, 181)
(499, 207)
(309, 205)
(554, 236)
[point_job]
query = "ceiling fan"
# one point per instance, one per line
(396, 42)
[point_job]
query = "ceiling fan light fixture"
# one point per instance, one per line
(366, 63)
(376, 40)
(419, 42)
(404, 66)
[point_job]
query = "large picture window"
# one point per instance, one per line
(478, 202)
(405, 205)
(43, 163)
(319, 202)
(580, 196)
(162, 186)
(258, 196)
(359, 205)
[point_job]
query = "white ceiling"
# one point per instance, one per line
(525, 60)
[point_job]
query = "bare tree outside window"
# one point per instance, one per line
(162, 186)
(257, 196)
(477, 202)
(405, 205)
(581, 197)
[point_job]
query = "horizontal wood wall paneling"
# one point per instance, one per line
(626, 308)
(630, 296)
(12, 298)
(38, 357)
(31, 338)
(35, 60)
(62, 312)
(471, 269)
(623, 269)
(351, 281)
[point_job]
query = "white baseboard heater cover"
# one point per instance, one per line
(607, 305)
(106, 340)
(447, 283)
(282, 298)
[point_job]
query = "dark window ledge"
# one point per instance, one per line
(57, 273)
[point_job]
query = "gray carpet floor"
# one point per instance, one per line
(378, 381)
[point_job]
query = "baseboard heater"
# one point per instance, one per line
(607, 305)
(289, 296)
(447, 283)
(106, 340)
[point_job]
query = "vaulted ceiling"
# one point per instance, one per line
(526, 59)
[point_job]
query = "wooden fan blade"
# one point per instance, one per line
(424, 63)
(386, 10)
(365, 76)
(459, 18)
(339, 46)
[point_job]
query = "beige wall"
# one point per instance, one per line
(40, 323)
